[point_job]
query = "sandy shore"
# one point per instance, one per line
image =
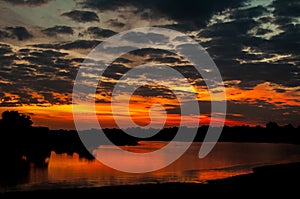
(273, 180)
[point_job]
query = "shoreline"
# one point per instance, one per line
(271, 180)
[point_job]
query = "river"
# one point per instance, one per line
(225, 160)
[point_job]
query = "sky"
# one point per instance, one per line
(254, 44)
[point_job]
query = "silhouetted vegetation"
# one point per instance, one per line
(23, 145)
(271, 133)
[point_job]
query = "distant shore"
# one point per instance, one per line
(272, 180)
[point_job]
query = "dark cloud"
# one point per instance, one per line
(140, 37)
(78, 60)
(154, 52)
(248, 13)
(42, 57)
(279, 90)
(122, 60)
(255, 73)
(167, 59)
(192, 12)
(58, 30)
(104, 91)
(253, 113)
(250, 113)
(115, 23)
(4, 49)
(19, 32)
(154, 91)
(262, 31)
(79, 44)
(266, 19)
(23, 51)
(51, 46)
(82, 16)
(46, 72)
(6, 60)
(284, 8)
(287, 41)
(117, 50)
(4, 34)
(7, 56)
(100, 32)
(115, 71)
(282, 20)
(48, 53)
(230, 39)
(288, 27)
(28, 2)
(188, 71)
(181, 27)
(229, 29)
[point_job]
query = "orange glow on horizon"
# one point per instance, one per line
(61, 117)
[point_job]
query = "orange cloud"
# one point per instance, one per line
(60, 116)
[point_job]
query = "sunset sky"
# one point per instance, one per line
(254, 43)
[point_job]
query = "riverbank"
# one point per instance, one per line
(270, 180)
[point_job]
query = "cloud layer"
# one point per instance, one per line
(253, 43)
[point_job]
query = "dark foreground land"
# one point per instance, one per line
(267, 181)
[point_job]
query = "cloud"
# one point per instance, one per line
(6, 60)
(44, 61)
(53, 46)
(6, 56)
(254, 113)
(166, 59)
(154, 91)
(249, 12)
(261, 31)
(115, 23)
(253, 74)
(191, 12)
(82, 16)
(154, 52)
(285, 41)
(122, 60)
(248, 113)
(115, 71)
(48, 53)
(4, 34)
(32, 76)
(100, 32)
(28, 2)
(229, 29)
(58, 30)
(140, 37)
(17, 32)
(241, 51)
(279, 90)
(79, 44)
(282, 8)
(4, 49)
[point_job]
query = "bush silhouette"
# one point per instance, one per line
(14, 119)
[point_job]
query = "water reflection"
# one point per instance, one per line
(226, 159)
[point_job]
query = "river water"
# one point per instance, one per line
(225, 160)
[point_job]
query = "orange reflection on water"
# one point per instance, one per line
(188, 168)
(62, 167)
(226, 160)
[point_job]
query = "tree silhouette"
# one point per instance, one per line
(272, 125)
(15, 120)
(14, 142)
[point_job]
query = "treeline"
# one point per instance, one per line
(271, 133)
